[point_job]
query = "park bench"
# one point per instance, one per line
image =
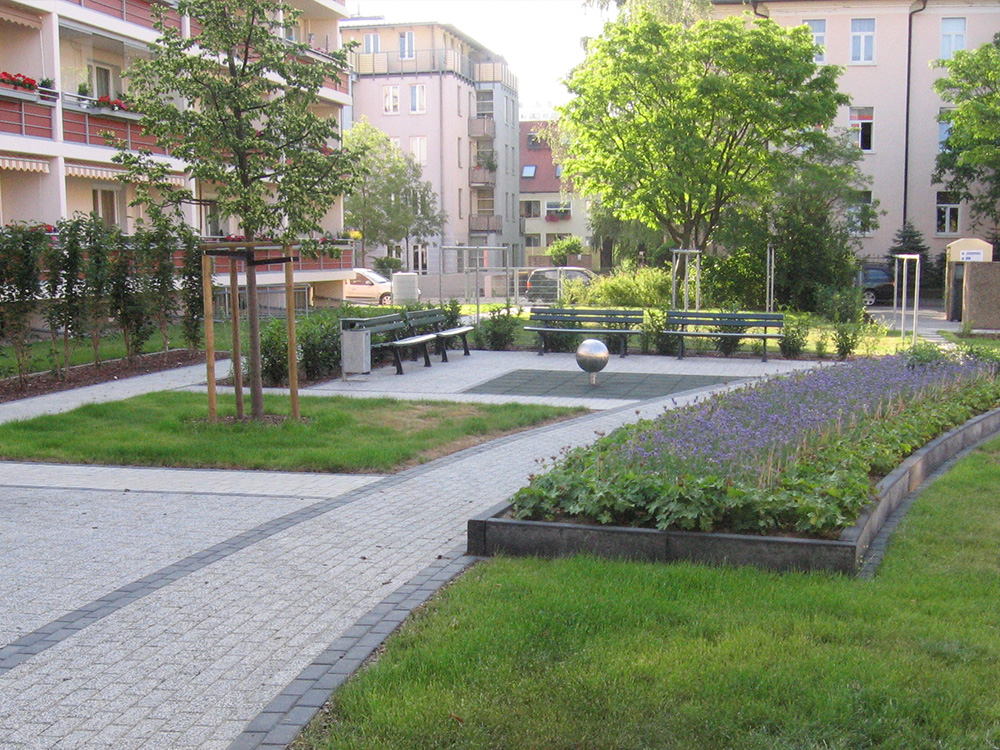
(556, 320)
(431, 322)
(740, 325)
(399, 335)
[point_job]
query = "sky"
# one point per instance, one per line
(539, 38)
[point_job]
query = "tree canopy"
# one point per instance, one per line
(969, 161)
(391, 203)
(237, 103)
(669, 124)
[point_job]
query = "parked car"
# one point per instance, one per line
(877, 284)
(368, 286)
(545, 284)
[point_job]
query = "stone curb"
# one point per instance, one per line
(489, 533)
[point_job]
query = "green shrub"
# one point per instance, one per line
(822, 342)
(628, 286)
(273, 353)
(846, 337)
(793, 337)
(387, 265)
(318, 339)
(841, 305)
(560, 250)
(727, 345)
(655, 335)
(497, 330)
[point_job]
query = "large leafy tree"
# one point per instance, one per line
(391, 202)
(671, 124)
(237, 103)
(671, 11)
(969, 162)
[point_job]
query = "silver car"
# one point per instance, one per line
(368, 286)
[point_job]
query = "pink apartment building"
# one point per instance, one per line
(888, 49)
(452, 104)
(54, 161)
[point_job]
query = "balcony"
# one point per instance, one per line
(482, 127)
(483, 223)
(134, 11)
(482, 177)
(423, 61)
(27, 113)
(86, 122)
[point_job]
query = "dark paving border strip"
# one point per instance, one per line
(35, 642)
(286, 716)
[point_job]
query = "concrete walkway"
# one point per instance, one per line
(183, 609)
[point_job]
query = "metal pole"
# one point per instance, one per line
(697, 297)
(673, 280)
(206, 288)
(916, 300)
(902, 306)
(293, 360)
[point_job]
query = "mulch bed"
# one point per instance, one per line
(39, 384)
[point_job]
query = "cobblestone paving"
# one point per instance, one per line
(212, 611)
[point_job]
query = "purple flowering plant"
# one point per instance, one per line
(797, 453)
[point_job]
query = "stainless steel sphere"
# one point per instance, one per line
(592, 355)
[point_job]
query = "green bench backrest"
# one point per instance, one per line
(574, 315)
(750, 320)
(420, 318)
(376, 324)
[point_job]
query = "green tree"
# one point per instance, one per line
(909, 240)
(560, 250)
(669, 125)
(238, 104)
(63, 263)
(391, 203)
(21, 249)
(671, 11)
(630, 240)
(100, 243)
(969, 161)
(812, 220)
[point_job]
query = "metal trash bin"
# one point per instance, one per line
(355, 350)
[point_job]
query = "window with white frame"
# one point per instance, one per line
(528, 170)
(372, 44)
(558, 209)
(460, 152)
(396, 142)
(858, 214)
(406, 45)
(484, 202)
(947, 213)
(862, 124)
(104, 79)
(818, 29)
(944, 127)
(531, 209)
(418, 98)
(532, 240)
(107, 205)
(461, 205)
(952, 36)
(862, 40)
(390, 100)
(418, 148)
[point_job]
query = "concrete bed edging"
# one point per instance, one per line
(490, 533)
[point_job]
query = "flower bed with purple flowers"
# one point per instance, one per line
(797, 454)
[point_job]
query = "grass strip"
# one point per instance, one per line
(585, 653)
(337, 434)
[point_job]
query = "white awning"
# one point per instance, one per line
(107, 173)
(20, 164)
(20, 17)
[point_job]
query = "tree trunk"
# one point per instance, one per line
(256, 380)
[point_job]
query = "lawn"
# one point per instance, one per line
(582, 653)
(336, 434)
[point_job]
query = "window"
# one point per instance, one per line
(105, 80)
(406, 46)
(558, 210)
(528, 170)
(558, 170)
(944, 127)
(818, 29)
(531, 209)
(862, 120)
(952, 36)
(484, 202)
(211, 221)
(460, 203)
(458, 101)
(418, 98)
(106, 205)
(373, 44)
(534, 141)
(862, 40)
(418, 148)
(551, 239)
(396, 142)
(484, 103)
(947, 213)
(459, 153)
(390, 100)
(532, 240)
(858, 215)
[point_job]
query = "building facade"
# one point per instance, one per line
(452, 104)
(54, 158)
(548, 211)
(888, 49)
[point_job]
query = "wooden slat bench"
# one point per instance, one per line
(743, 325)
(399, 331)
(581, 320)
(431, 321)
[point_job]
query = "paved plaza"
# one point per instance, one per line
(183, 609)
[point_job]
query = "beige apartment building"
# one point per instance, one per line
(54, 159)
(452, 104)
(888, 49)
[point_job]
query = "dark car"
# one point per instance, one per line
(546, 284)
(877, 285)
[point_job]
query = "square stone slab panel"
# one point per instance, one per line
(616, 385)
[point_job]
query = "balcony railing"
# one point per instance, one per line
(25, 113)
(134, 11)
(480, 176)
(483, 223)
(482, 127)
(85, 123)
(422, 61)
